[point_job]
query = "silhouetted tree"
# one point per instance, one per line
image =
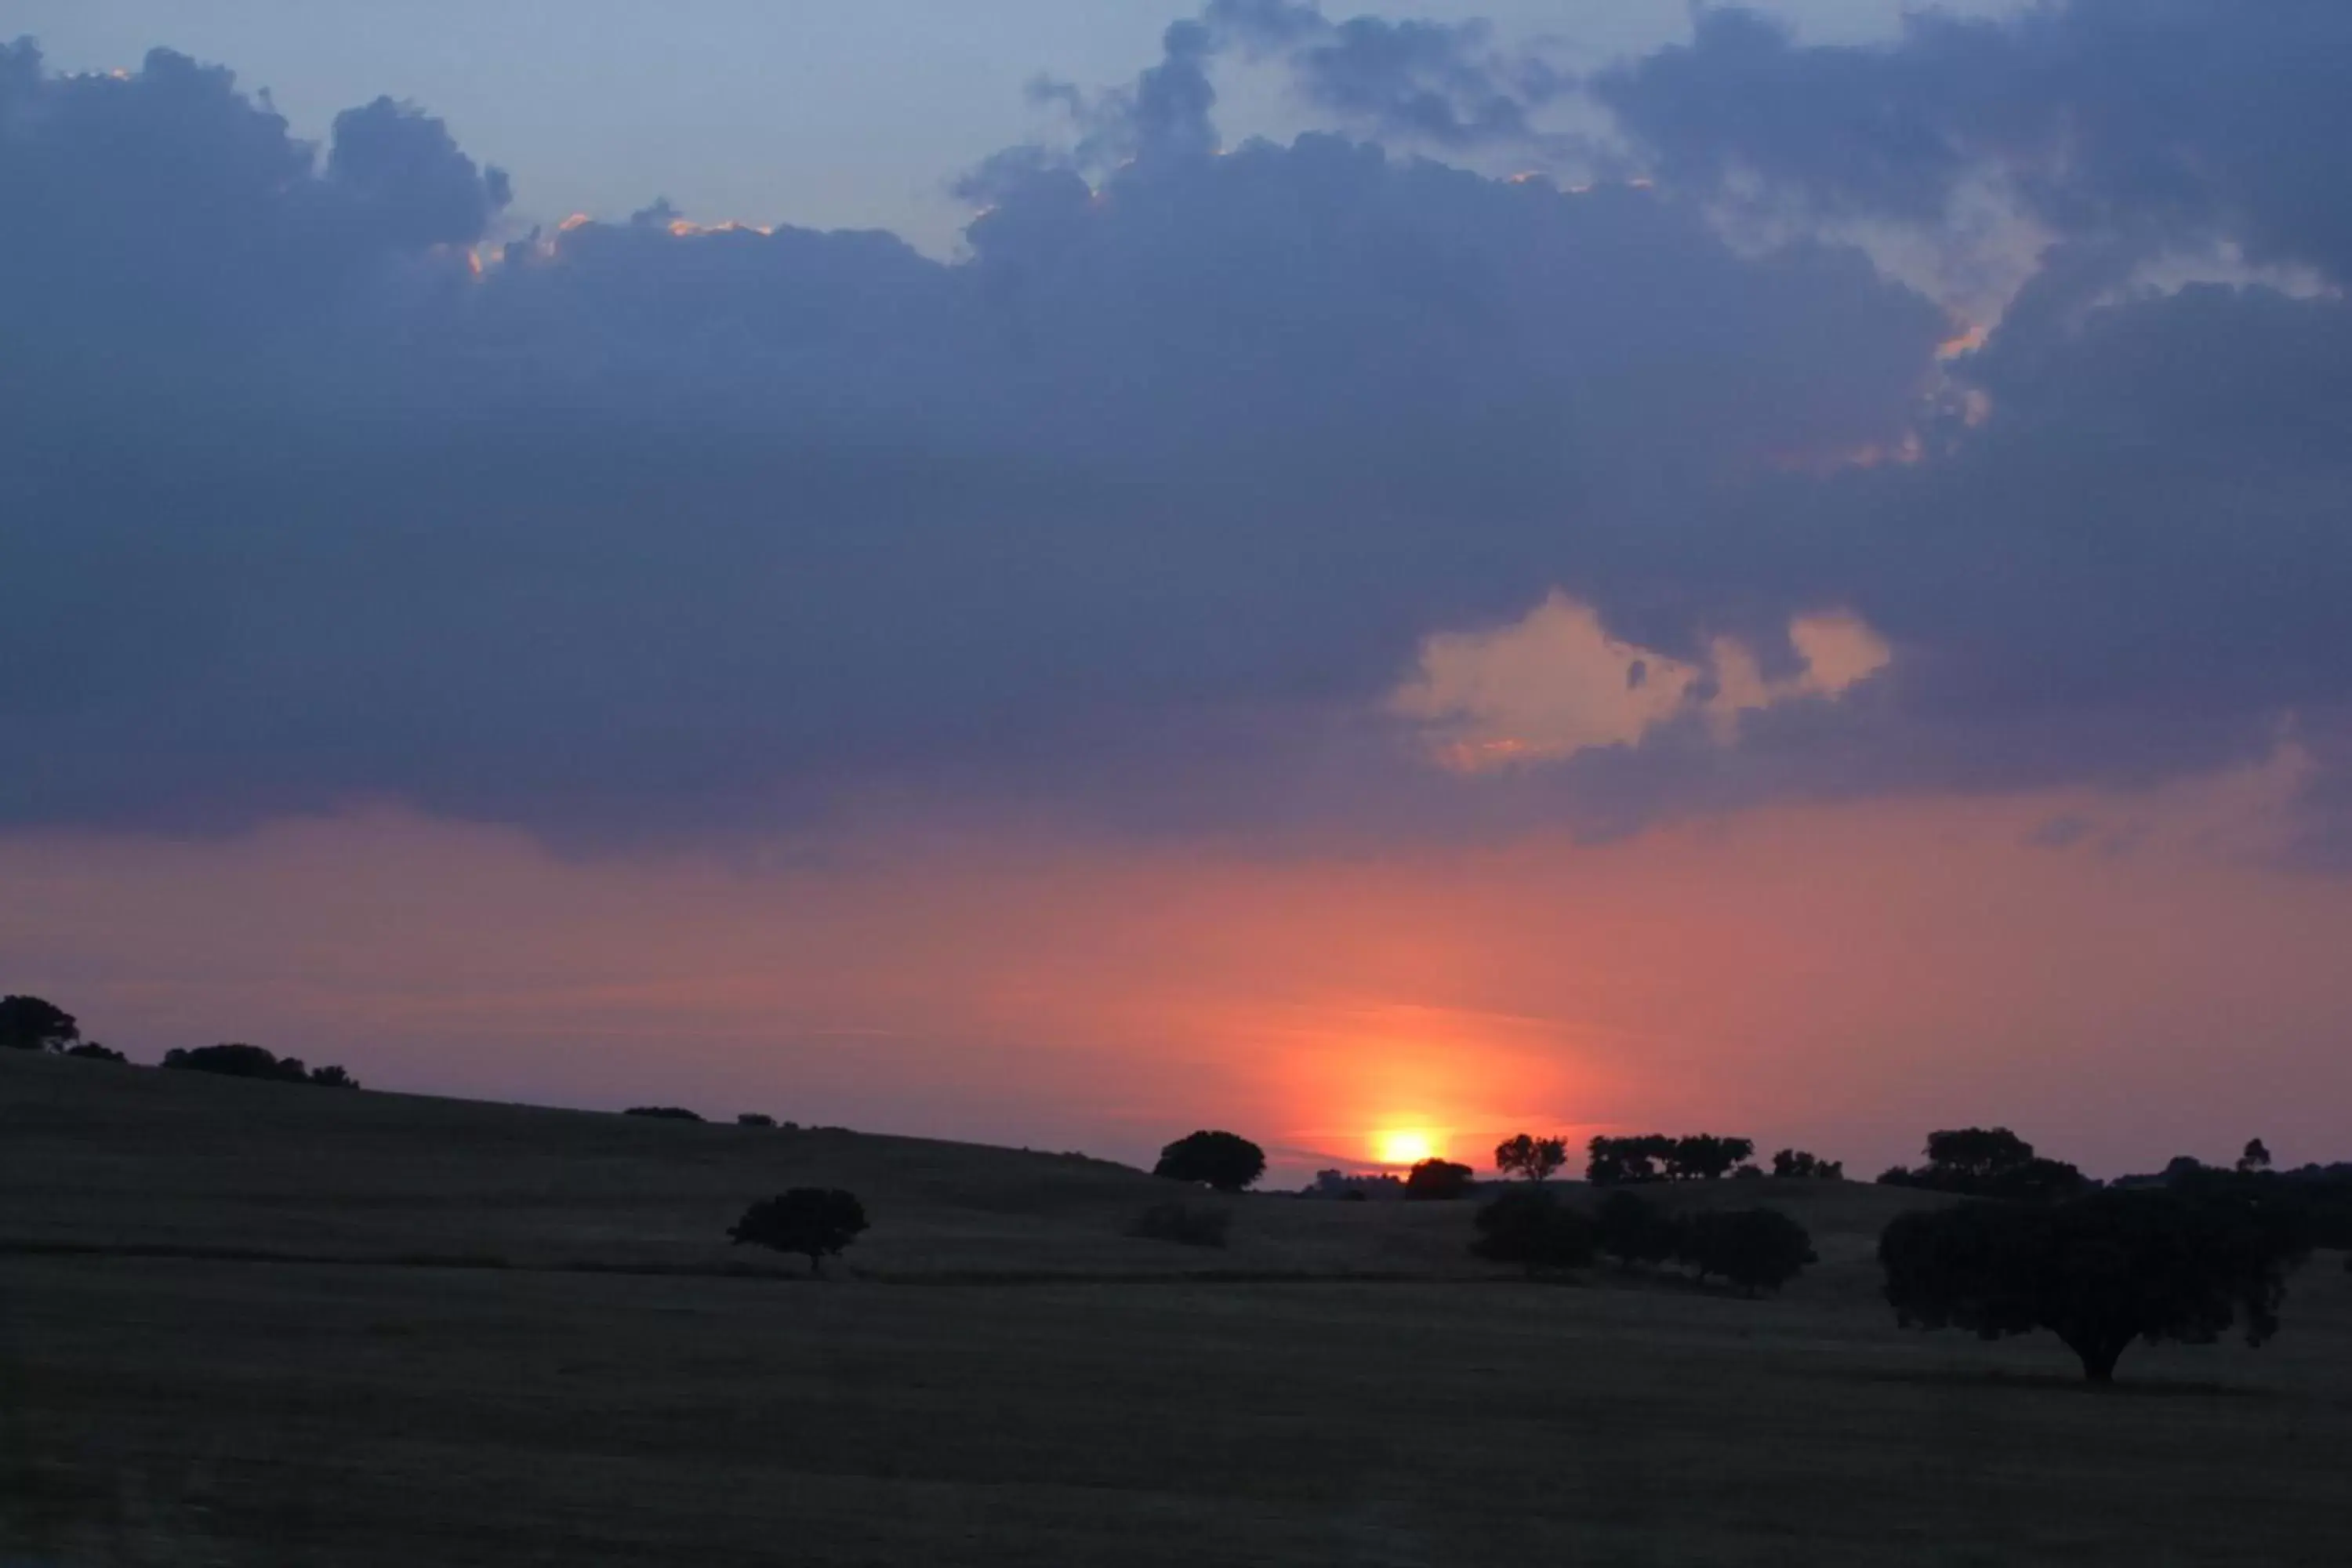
(1626, 1161)
(1990, 1162)
(2098, 1271)
(1976, 1153)
(1438, 1179)
(1226, 1161)
(2255, 1157)
(1631, 1229)
(30, 1024)
(1534, 1158)
(816, 1222)
(1799, 1164)
(1755, 1250)
(664, 1112)
(1190, 1224)
(1534, 1229)
(1704, 1157)
(755, 1118)
(332, 1077)
(238, 1059)
(91, 1050)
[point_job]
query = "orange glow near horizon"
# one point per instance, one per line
(1830, 977)
(1406, 1146)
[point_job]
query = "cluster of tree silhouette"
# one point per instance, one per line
(35, 1023)
(1659, 1157)
(1189, 1225)
(664, 1112)
(238, 1059)
(1353, 1187)
(1804, 1166)
(1226, 1161)
(1755, 1250)
(815, 1223)
(1989, 1163)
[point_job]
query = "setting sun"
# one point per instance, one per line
(1405, 1146)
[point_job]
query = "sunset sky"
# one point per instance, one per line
(1363, 579)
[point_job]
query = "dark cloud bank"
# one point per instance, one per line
(308, 493)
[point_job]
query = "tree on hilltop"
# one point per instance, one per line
(1704, 1157)
(1989, 1163)
(1435, 1179)
(238, 1059)
(31, 1024)
(1807, 1166)
(1534, 1158)
(1226, 1161)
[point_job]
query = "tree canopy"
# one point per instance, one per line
(1534, 1229)
(816, 1222)
(1226, 1161)
(2098, 1271)
(1802, 1165)
(1989, 1163)
(1756, 1250)
(1439, 1179)
(1657, 1157)
(1631, 1229)
(31, 1024)
(238, 1059)
(1535, 1158)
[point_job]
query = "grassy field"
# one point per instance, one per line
(248, 1323)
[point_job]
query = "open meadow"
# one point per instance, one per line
(254, 1323)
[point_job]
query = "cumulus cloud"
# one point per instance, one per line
(1153, 504)
(2162, 123)
(1443, 85)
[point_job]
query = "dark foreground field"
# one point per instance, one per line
(252, 1324)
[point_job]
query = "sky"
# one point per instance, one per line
(1062, 576)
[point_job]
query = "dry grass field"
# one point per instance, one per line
(248, 1323)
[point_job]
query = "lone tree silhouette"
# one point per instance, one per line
(30, 1024)
(1226, 1161)
(2255, 1157)
(2099, 1271)
(1533, 1229)
(816, 1222)
(1438, 1179)
(1756, 1250)
(1534, 1158)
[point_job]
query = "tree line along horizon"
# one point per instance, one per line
(2027, 1242)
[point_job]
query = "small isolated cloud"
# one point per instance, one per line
(1555, 683)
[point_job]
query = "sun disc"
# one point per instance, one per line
(1405, 1146)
